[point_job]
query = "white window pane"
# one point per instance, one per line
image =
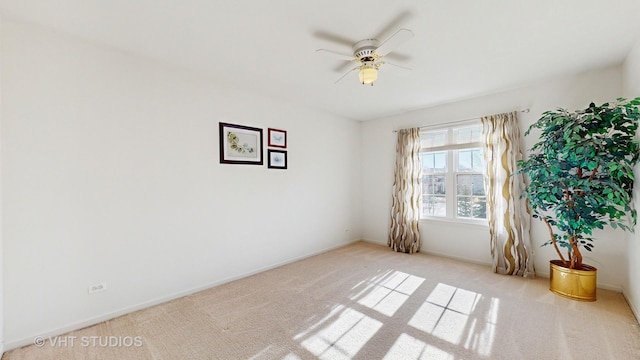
(465, 160)
(432, 139)
(473, 207)
(467, 134)
(476, 134)
(462, 135)
(464, 184)
(434, 162)
(433, 185)
(434, 206)
(464, 206)
(479, 208)
(441, 161)
(470, 159)
(477, 185)
(476, 159)
(427, 161)
(470, 197)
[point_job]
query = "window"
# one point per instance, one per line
(452, 180)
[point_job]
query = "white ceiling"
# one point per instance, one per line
(461, 48)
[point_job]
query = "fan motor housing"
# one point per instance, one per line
(365, 49)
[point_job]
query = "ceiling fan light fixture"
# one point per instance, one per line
(368, 75)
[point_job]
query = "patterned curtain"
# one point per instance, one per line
(404, 235)
(508, 214)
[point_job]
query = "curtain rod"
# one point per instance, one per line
(456, 121)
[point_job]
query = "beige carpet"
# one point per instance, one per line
(364, 301)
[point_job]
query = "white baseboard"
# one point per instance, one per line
(457, 258)
(372, 242)
(114, 314)
(634, 310)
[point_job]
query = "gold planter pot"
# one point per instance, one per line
(572, 283)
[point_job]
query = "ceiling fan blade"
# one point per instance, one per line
(333, 38)
(392, 64)
(395, 40)
(397, 56)
(345, 75)
(337, 54)
(342, 67)
(397, 22)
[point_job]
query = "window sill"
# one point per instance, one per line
(458, 222)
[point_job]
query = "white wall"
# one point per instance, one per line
(111, 174)
(471, 242)
(631, 81)
(1, 206)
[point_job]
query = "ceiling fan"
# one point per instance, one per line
(369, 53)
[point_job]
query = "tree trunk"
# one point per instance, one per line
(576, 256)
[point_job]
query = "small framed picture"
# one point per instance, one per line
(240, 144)
(277, 159)
(277, 138)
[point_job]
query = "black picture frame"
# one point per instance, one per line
(240, 144)
(277, 159)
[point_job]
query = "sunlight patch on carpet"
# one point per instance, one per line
(481, 334)
(291, 356)
(408, 347)
(459, 316)
(344, 337)
(387, 293)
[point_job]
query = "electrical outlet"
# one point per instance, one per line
(97, 288)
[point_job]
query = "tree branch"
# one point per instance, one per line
(553, 241)
(593, 173)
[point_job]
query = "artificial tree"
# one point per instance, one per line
(581, 174)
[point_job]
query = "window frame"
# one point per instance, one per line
(451, 195)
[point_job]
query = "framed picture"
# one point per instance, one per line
(240, 145)
(277, 138)
(277, 159)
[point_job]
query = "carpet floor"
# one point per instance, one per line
(363, 301)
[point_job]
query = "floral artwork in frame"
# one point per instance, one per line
(277, 138)
(277, 159)
(240, 144)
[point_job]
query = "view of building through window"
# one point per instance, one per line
(452, 180)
